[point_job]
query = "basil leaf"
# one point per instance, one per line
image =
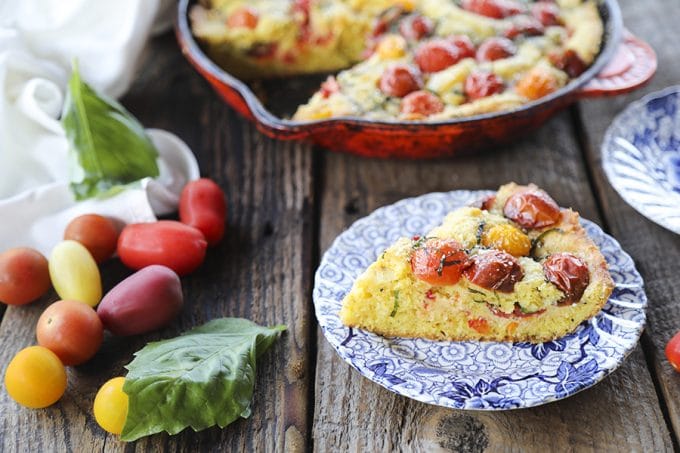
(202, 378)
(108, 146)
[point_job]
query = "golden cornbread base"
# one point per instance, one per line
(371, 302)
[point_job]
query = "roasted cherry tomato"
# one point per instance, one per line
(202, 206)
(415, 27)
(480, 84)
(421, 103)
(547, 13)
(569, 62)
(244, 17)
(485, 203)
(111, 406)
(329, 86)
(400, 80)
(466, 49)
(524, 25)
(497, 9)
(35, 377)
(70, 329)
(536, 83)
(436, 55)
(24, 276)
(438, 261)
(173, 244)
(569, 273)
(673, 351)
(495, 48)
(494, 270)
(508, 238)
(97, 233)
(532, 209)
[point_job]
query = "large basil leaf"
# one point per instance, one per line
(202, 378)
(108, 146)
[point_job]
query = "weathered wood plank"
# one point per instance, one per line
(654, 249)
(261, 271)
(352, 413)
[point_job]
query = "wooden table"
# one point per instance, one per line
(287, 202)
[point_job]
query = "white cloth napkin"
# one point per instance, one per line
(39, 39)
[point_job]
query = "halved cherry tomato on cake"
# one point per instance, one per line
(202, 206)
(524, 25)
(436, 55)
(673, 351)
(24, 276)
(569, 273)
(480, 84)
(243, 17)
(400, 80)
(495, 48)
(415, 27)
(494, 270)
(569, 62)
(329, 87)
(537, 82)
(466, 49)
(421, 103)
(480, 325)
(532, 209)
(439, 261)
(497, 9)
(508, 238)
(547, 13)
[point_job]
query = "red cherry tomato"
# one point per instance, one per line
(494, 270)
(72, 330)
(24, 276)
(400, 80)
(466, 49)
(569, 62)
(532, 209)
(439, 261)
(244, 17)
(569, 273)
(329, 86)
(497, 9)
(480, 84)
(415, 27)
(173, 244)
(546, 13)
(436, 55)
(524, 25)
(487, 202)
(202, 206)
(495, 48)
(421, 103)
(673, 351)
(97, 233)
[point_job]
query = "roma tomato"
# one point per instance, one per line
(74, 273)
(202, 206)
(167, 242)
(111, 406)
(439, 261)
(35, 377)
(97, 233)
(72, 330)
(24, 276)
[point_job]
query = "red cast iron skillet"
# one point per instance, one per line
(624, 63)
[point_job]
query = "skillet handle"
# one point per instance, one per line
(633, 65)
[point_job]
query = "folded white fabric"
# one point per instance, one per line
(39, 39)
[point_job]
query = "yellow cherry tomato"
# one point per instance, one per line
(74, 273)
(35, 377)
(111, 406)
(508, 238)
(391, 47)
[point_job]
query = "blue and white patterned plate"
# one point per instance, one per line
(641, 156)
(471, 374)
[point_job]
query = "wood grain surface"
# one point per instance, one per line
(287, 202)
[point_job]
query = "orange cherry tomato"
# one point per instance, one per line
(173, 244)
(439, 261)
(97, 233)
(481, 325)
(673, 351)
(24, 276)
(436, 55)
(494, 270)
(421, 103)
(202, 206)
(569, 273)
(244, 17)
(400, 80)
(496, 48)
(536, 83)
(532, 209)
(72, 330)
(480, 84)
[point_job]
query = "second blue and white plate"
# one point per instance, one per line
(471, 374)
(641, 156)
